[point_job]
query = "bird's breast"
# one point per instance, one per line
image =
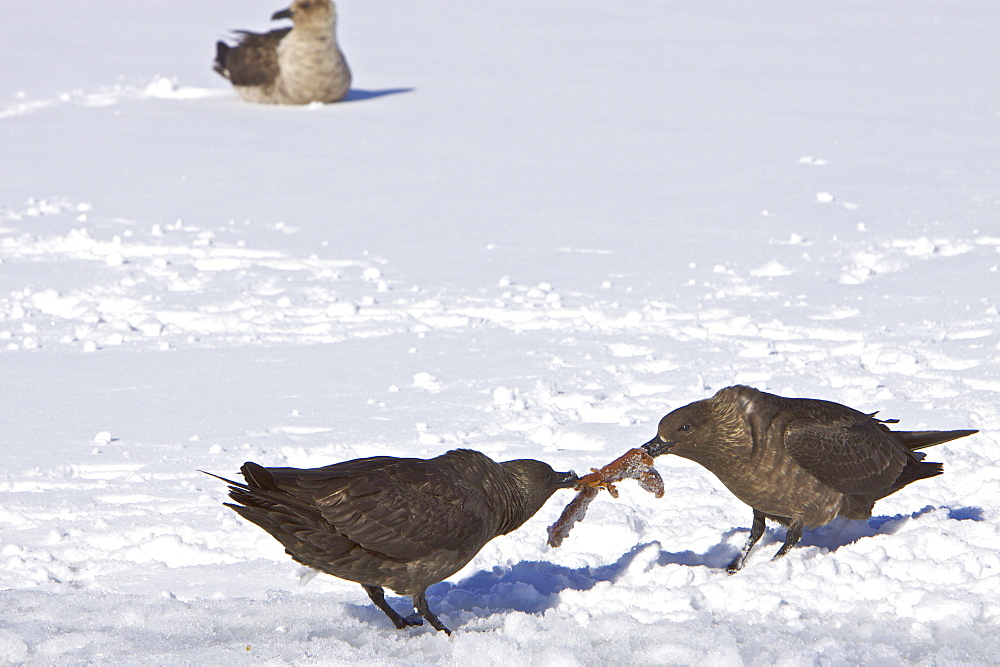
(770, 481)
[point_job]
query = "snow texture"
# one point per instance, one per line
(533, 228)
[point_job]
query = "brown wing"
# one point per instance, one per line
(845, 449)
(402, 508)
(254, 60)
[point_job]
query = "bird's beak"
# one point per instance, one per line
(658, 446)
(566, 480)
(283, 14)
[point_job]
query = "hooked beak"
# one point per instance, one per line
(658, 446)
(283, 14)
(566, 480)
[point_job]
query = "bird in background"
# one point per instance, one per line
(799, 461)
(296, 65)
(401, 523)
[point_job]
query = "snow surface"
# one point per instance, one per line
(535, 227)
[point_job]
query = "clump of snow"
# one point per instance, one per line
(424, 380)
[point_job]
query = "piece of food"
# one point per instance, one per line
(575, 511)
(634, 464)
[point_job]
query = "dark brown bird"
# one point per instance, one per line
(401, 523)
(799, 461)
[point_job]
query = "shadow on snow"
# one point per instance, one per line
(528, 586)
(534, 586)
(838, 533)
(358, 95)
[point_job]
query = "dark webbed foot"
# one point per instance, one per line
(756, 531)
(377, 594)
(420, 604)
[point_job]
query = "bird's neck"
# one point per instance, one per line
(512, 504)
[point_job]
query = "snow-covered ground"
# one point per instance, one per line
(535, 227)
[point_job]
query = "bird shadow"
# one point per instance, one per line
(841, 532)
(534, 586)
(360, 95)
(528, 586)
(716, 557)
(838, 533)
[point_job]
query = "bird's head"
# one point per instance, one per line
(534, 482)
(532, 474)
(317, 12)
(704, 429)
(682, 431)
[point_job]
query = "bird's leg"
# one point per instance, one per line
(792, 537)
(420, 604)
(756, 531)
(377, 594)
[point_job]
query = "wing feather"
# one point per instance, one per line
(402, 508)
(254, 60)
(846, 450)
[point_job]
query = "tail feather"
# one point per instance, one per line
(258, 476)
(264, 495)
(913, 472)
(221, 54)
(921, 439)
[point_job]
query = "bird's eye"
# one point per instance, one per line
(685, 427)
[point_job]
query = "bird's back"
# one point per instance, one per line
(840, 449)
(813, 460)
(401, 523)
(254, 59)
